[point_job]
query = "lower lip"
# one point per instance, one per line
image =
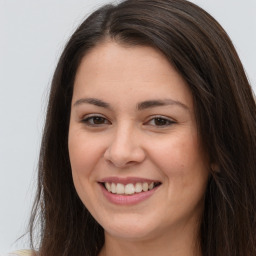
(127, 199)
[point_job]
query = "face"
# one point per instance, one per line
(137, 161)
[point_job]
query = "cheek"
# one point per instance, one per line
(183, 164)
(177, 153)
(84, 151)
(82, 161)
(86, 154)
(186, 174)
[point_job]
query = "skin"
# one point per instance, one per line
(130, 142)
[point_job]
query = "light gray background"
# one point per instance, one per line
(32, 36)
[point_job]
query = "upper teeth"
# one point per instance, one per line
(128, 189)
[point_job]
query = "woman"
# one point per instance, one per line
(149, 141)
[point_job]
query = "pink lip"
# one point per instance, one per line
(127, 199)
(126, 181)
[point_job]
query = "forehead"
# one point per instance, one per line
(129, 72)
(123, 57)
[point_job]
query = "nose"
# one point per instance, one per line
(124, 148)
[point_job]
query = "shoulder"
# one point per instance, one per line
(20, 253)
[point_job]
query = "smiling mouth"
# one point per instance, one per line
(130, 188)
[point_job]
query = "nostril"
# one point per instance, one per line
(123, 152)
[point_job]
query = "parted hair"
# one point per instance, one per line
(203, 54)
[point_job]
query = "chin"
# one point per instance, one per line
(130, 230)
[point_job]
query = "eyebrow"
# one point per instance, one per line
(140, 106)
(93, 101)
(157, 103)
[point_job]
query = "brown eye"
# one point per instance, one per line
(98, 120)
(160, 121)
(95, 120)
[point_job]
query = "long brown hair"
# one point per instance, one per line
(200, 50)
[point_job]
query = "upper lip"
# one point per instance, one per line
(127, 180)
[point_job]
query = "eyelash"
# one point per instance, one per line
(161, 119)
(93, 118)
(164, 122)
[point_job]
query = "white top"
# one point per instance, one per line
(19, 253)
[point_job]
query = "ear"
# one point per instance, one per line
(214, 167)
